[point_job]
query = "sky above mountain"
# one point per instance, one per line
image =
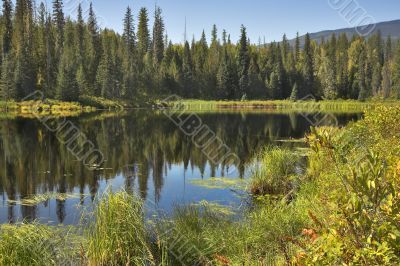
(269, 18)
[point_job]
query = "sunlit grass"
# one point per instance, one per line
(117, 235)
(337, 106)
(278, 168)
(34, 244)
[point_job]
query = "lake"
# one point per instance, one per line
(144, 152)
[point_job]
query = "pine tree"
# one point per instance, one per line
(129, 31)
(396, 73)
(67, 85)
(224, 36)
(7, 86)
(342, 66)
(214, 35)
(8, 27)
(243, 63)
(297, 49)
(80, 30)
(58, 17)
(307, 68)
(187, 68)
(94, 52)
(362, 76)
(294, 95)
(24, 74)
(104, 78)
(143, 32)
(227, 83)
(158, 37)
(386, 80)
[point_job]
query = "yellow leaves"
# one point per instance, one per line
(398, 169)
(371, 184)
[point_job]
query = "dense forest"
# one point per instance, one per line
(71, 57)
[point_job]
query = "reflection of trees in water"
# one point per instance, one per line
(140, 146)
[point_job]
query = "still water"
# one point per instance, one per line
(145, 153)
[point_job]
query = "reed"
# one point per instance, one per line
(117, 235)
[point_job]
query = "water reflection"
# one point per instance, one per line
(144, 151)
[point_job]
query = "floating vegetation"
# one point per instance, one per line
(302, 140)
(215, 207)
(221, 183)
(38, 199)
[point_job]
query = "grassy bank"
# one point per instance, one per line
(342, 208)
(342, 106)
(48, 107)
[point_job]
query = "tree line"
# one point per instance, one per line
(67, 58)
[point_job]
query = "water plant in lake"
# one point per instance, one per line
(276, 171)
(221, 183)
(40, 198)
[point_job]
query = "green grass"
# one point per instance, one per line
(34, 244)
(337, 106)
(276, 173)
(59, 108)
(118, 234)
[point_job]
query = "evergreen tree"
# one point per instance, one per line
(7, 87)
(214, 35)
(187, 68)
(294, 94)
(297, 49)
(243, 63)
(226, 78)
(158, 37)
(58, 17)
(307, 68)
(143, 32)
(67, 85)
(362, 76)
(24, 74)
(129, 31)
(8, 30)
(396, 73)
(386, 80)
(93, 54)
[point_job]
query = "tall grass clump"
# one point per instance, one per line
(276, 171)
(118, 234)
(34, 244)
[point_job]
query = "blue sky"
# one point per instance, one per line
(269, 18)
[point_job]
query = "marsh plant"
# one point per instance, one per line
(277, 171)
(118, 235)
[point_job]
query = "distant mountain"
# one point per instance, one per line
(391, 28)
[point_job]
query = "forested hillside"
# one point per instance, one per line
(70, 57)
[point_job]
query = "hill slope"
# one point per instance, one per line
(387, 28)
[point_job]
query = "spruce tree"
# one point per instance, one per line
(8, 27)
(214, 35)
(143, 32)
(59, 21)
(297, 49)
(243, 63)
(7, 86)
(396, 73)
(129, 31)
(187, 69)
(158, 37)
(94, 52)
(307, 68)
(67, 85)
